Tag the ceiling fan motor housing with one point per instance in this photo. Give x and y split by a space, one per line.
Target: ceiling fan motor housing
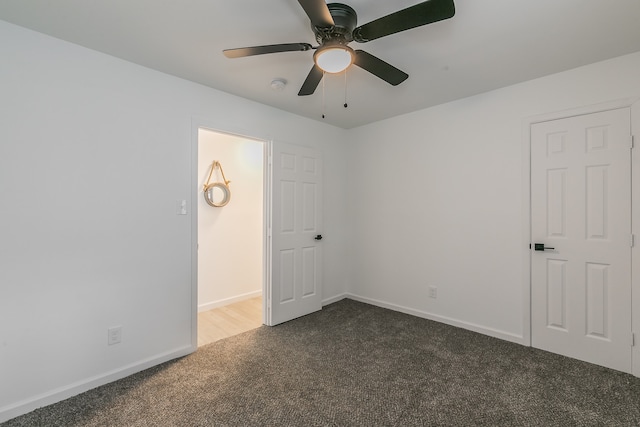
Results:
345 20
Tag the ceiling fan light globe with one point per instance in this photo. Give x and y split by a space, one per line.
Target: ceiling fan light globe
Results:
334 59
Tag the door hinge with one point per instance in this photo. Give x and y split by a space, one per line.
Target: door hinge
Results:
633 339
632 141
632 240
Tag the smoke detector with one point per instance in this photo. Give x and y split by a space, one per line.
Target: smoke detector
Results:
278 84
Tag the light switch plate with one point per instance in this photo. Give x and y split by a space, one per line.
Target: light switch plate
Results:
181 207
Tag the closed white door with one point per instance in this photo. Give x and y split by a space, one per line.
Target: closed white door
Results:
294 279
581 213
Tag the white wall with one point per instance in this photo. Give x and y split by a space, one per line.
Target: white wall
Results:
436 199
94 154
230 238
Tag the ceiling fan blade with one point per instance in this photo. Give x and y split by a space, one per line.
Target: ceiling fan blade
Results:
318 13
312 81
415 16
261 50
378 67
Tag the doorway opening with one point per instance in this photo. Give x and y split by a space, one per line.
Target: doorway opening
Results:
230 235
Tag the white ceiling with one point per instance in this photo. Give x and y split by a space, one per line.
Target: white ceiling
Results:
488 44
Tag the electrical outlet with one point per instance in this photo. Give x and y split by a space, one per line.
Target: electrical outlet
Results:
114 335
433 292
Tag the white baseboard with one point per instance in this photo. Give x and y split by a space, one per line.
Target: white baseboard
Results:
221 303
334 299
20 408
496 333
28 405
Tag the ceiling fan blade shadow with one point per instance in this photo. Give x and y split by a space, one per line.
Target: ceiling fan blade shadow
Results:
379 68
415 16
318 13
312 81
261 50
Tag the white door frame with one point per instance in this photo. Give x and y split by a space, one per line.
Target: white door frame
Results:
526 212
201 123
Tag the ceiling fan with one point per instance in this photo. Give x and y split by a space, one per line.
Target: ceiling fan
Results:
334 26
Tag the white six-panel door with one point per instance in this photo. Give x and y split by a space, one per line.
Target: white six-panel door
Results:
581 207
294 282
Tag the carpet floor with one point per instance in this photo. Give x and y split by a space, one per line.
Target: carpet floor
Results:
354 364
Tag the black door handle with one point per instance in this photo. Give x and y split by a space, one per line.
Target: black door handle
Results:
318 237
541 247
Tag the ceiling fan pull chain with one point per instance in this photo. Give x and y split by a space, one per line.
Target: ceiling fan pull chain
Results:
323 82
345 88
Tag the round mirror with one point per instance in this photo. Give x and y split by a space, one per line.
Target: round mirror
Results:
217 194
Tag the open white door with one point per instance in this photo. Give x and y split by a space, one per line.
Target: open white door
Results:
581 225
294 270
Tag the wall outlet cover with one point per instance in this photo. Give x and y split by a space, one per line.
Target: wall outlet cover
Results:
114 335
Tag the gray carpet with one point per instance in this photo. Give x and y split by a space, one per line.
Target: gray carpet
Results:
353 364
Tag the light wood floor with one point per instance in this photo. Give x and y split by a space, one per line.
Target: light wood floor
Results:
230 320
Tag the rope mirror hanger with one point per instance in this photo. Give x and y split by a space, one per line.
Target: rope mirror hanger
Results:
208 189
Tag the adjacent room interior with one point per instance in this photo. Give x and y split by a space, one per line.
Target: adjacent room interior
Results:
230 236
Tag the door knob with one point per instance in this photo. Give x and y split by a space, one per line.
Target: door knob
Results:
318 237
541 247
